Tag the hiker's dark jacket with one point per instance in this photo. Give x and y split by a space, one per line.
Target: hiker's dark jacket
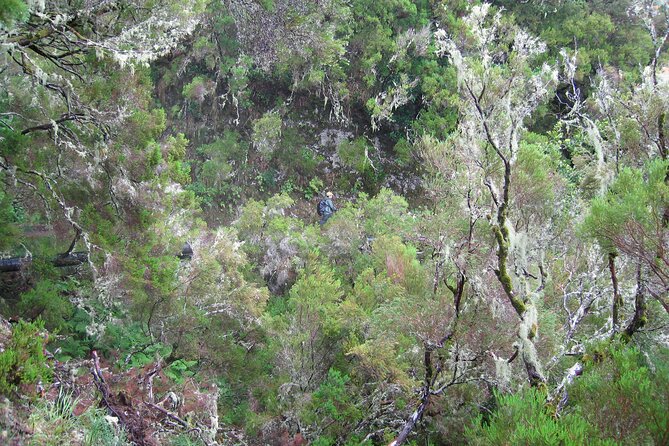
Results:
328 209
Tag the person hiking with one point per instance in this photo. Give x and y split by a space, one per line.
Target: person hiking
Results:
326 208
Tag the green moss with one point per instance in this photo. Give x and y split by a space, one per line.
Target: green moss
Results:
502 274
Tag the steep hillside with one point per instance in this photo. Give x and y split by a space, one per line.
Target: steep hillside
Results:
491 267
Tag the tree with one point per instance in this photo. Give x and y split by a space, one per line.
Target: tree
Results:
499 89
60 93
629 220
627 126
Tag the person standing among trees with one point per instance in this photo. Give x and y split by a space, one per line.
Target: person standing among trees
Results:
326 208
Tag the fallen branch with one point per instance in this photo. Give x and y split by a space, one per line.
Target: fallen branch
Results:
149 378
572 373
168 414
135 434
103 387
60 261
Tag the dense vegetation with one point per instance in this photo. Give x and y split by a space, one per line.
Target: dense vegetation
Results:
497 271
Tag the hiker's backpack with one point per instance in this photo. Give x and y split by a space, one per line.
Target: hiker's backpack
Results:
321 207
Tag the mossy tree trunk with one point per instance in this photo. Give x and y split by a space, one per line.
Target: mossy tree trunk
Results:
617 299
639 319
524 307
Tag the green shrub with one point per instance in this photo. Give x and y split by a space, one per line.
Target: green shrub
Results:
332 406
314 188
523 418
625 394
403 151
13 12
355 154
294 156
76 343
180 369
267 133
98 431
136 346
621 398
23 362
198 89
46 302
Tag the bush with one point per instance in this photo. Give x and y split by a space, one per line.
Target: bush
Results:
625 395
267 133
621 398
403 151
46 302
198 89
523 418
355 154
13 12
314 188
333 406
23 362
8 220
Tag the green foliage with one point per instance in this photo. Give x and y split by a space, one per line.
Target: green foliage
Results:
400 263
523 418
267 133
198 89
364 176
624 394
54 423
54 420
12 12
268 5
144 126
8 220
230 147
238 80
333 405
22 363
217 177
593 32
47 302
386 213
403 150
295 157
314 188
154 158
267 180
178 170
180 369
136 347
356 304
619 399
536 183
316 295
355 154
251 220
635 202
98 430
12 142
601 33
74 340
